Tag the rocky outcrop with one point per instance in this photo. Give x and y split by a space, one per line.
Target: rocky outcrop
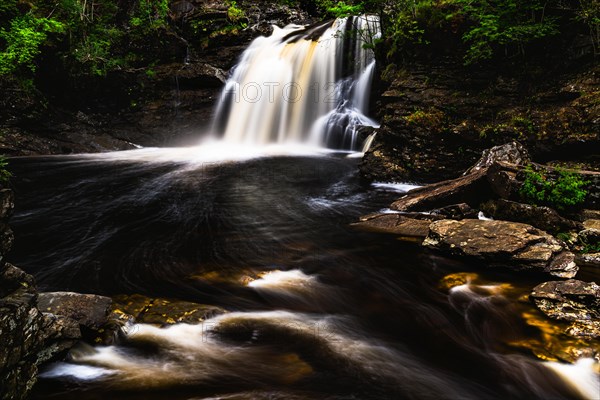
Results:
88 310
510 153
573 301
502 244
436 118
21 334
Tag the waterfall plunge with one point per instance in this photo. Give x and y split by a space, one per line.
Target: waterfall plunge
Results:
307 85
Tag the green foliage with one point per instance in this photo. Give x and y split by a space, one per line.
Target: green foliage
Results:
487 28
95 52
5 174
236 16
150 15
590 248
342 9
339 9
564 236
23 41
589 13
503 24
566 190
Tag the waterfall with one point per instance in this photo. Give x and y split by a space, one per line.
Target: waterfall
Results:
307 85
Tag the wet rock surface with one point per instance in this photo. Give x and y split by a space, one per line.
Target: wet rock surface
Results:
502 244
573 301
396 224
160 311
88 310
471 189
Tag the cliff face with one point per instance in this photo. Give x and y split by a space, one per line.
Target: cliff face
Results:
438 117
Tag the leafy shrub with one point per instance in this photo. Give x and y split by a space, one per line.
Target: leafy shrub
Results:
342 9
23 41
566 190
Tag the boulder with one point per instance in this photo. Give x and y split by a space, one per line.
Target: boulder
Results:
588 259
160 311
511 153
502 244
544 218
471 189
396 224
574 301
89 310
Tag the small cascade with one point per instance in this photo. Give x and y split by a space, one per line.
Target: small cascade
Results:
308 85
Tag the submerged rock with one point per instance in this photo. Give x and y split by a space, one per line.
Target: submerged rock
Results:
502 244
573 301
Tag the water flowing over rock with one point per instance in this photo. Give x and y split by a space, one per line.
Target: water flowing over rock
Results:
502 244
302 84
573 301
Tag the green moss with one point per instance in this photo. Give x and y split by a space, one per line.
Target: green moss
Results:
563 191
237 16
433 119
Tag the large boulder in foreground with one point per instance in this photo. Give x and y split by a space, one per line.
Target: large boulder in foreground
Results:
89 310
573 301
502 244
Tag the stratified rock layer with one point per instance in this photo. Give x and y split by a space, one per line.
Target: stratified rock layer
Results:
502 244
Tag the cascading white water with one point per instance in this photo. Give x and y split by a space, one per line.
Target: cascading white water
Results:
307 85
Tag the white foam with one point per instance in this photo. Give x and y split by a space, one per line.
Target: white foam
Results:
582 376
76 371
283 280
394 187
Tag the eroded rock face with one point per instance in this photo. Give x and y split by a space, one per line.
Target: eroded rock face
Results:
573 301
502 244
